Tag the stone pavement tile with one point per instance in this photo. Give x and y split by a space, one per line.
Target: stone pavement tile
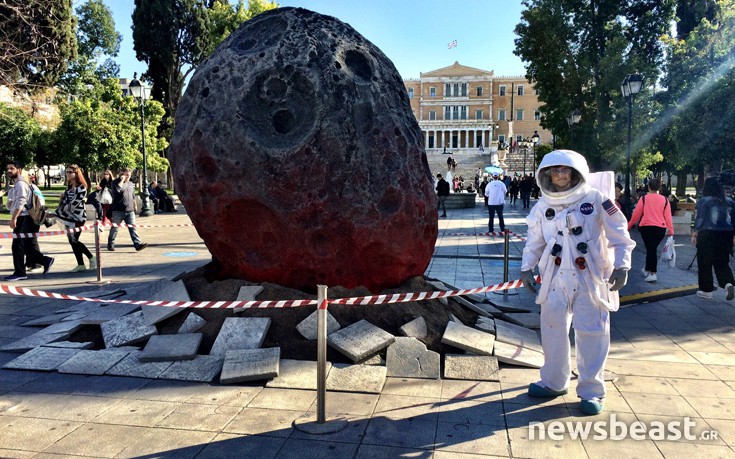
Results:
647 385
522 415
712 408
203 368
163 348
16 332
170 391
455 455
86 362
471 367
723 372
225 395
476 391
42 359
192 323
168 443
242 365
162 290
402 407
297 374
405 433
647 339
660 369
353 433
390 452
239 446
521 444
409 358
211 418
687 387
517 355
239 333
145 413
415 328
654 355
33 434
101 440
71 344
308 327
357 378
348 403
60 407
671 405
261 421
471 438
699 432
12 379
126 330
514 374
316 448
283 399
31 342
413 387
360 340
472 412
689 450
468 339
714 358
132 366
16 454
515 397
725 429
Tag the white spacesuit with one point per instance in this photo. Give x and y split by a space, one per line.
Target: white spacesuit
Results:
580 242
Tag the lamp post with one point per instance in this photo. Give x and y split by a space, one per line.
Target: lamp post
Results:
137 89
630 86
573 118
535 139
524 143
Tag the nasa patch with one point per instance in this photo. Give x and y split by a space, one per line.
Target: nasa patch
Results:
550 214
586 208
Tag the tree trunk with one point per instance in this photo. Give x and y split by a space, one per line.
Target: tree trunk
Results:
681 183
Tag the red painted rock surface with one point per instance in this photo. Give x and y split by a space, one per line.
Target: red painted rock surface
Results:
299 161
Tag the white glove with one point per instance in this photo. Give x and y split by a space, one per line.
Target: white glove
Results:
618 279
529 281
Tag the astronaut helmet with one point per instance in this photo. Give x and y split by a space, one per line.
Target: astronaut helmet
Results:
561 159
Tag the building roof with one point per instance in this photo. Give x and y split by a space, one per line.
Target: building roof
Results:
457 69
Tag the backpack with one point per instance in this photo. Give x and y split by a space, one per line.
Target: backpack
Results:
36 205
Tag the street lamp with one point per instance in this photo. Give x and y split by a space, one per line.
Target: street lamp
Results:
573 118
137 89
535 139
524 143
630 86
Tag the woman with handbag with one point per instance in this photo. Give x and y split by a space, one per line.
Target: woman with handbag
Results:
653 216
104 196
72 213
714 228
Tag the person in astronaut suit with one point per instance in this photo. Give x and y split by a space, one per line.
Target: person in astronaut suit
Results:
580 242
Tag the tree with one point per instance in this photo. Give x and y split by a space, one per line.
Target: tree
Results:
36 42
576 55
18 133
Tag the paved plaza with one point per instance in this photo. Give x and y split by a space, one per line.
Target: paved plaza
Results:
674 358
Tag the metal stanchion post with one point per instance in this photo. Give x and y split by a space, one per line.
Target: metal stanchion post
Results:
97 254
506 256
309 423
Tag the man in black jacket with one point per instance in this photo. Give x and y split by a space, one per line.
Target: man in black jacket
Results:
123 208
442 191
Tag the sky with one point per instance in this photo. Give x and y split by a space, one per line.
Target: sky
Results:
414 34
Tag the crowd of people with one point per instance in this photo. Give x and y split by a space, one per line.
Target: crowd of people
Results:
113 199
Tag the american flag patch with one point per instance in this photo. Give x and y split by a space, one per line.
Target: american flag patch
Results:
609 207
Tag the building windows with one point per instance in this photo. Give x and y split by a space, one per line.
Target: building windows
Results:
432 115
463 112
519 114
479 91
501 115
465 88
431 140
447 112
520 89
410 93
432 91
501 90
537 115
501 138
478 114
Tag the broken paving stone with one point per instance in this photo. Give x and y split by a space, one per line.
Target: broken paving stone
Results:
439 285
242 365
415 328
472 306
517 355
63 327
490 310
126 330
296 374
476 298
92 362
46 320
238 333
357 378
372 360
308 326
472 367
469 339
132 366
360 340
509 333
524 319
193 322
486 326
409 358
33 341
204 368
107 313
71 344
164 348
248 292
161 290
41 358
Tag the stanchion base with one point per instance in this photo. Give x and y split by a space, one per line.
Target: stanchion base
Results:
309 424
99 282
505 292
608 376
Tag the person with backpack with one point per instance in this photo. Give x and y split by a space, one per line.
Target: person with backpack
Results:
72 213
21 222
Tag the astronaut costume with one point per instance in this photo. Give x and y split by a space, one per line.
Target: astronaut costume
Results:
580 242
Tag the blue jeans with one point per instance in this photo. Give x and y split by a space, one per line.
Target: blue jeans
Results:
127 217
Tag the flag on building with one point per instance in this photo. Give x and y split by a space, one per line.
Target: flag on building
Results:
452 44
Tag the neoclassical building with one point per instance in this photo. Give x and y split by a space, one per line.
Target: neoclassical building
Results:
466 110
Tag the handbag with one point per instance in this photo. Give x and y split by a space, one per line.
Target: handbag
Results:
105 197
668 253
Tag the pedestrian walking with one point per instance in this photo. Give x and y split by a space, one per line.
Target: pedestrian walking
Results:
525 187
653 217
714 228
123 209
495 192
579 240
442 191
72 214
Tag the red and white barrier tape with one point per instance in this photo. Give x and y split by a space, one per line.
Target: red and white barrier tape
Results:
486 234
45 233
125 225
364 300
